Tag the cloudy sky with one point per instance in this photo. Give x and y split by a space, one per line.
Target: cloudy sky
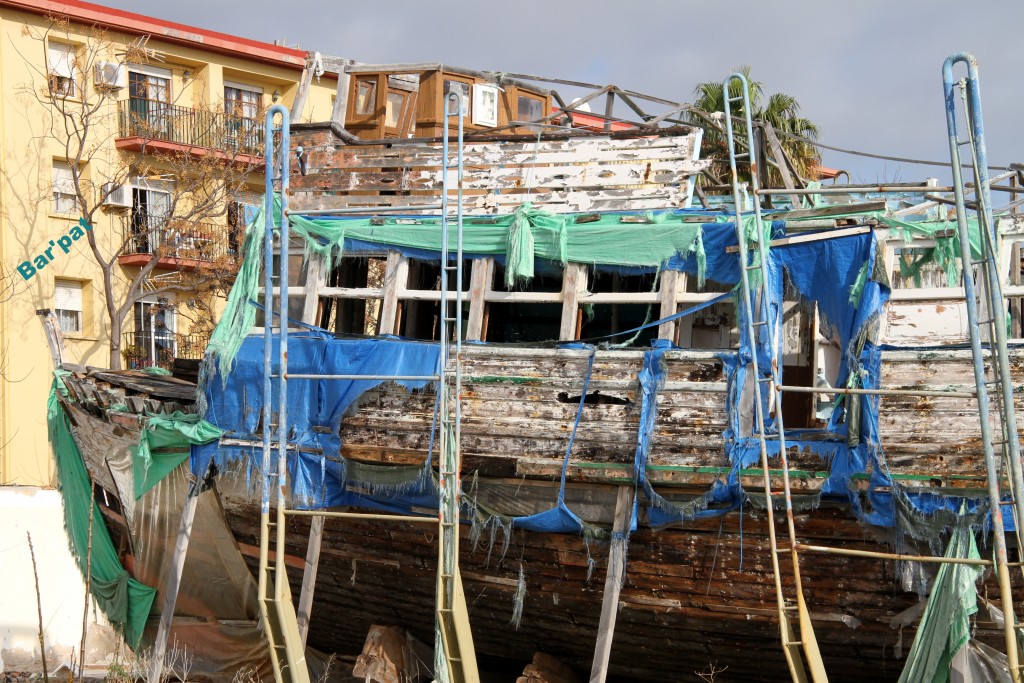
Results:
868 72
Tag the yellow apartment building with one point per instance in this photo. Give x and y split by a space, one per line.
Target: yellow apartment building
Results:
166 104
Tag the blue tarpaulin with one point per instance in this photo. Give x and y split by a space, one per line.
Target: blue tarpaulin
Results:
838 274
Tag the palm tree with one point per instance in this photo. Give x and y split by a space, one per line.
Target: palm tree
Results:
782 111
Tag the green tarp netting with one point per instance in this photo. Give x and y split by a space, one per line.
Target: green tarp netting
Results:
945 626
522 237
125 601
166 443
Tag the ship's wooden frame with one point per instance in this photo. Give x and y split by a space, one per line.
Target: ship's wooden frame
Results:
696 594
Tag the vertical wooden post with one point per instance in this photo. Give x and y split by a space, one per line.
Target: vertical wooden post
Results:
613 583
479 284
300 96
396 277
669 294
574 283
315 276
316 534
340 110
609 107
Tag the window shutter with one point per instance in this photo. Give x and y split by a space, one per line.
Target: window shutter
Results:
67 296
63 182
147 70
61 60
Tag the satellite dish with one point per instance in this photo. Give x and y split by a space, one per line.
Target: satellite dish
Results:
585 107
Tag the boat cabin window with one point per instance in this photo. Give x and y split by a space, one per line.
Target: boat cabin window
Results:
361 279
915 268
297 268
419 302
529 109
514 315
714 327
1014 288
797 344
617 302
394 108
366 96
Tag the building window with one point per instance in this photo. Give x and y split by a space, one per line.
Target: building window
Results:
67 302
149 100
242 100
243 105
60 59
151 207
65 199
155 328
240 214
366 97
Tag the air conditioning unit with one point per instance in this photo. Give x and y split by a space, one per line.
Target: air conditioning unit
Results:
117 196
109 75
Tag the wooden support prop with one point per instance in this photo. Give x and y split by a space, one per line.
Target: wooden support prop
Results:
780 161
173 582
300 96
340 110
612 584
546 669
316 534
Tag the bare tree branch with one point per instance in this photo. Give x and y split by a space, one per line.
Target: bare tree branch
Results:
201 156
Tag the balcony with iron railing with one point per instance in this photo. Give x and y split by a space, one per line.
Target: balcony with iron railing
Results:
178 244
153 125
146 349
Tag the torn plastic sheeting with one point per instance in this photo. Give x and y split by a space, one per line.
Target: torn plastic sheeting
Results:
945 626
164 444
125 601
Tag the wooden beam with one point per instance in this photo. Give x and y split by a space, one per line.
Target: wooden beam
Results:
669 295
613 583
780 161
299 104
314 279
340 110
316 534
574 283
396 275
173 583
811 237
479 283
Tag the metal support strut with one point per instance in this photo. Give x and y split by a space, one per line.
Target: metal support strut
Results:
800 647
984 297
